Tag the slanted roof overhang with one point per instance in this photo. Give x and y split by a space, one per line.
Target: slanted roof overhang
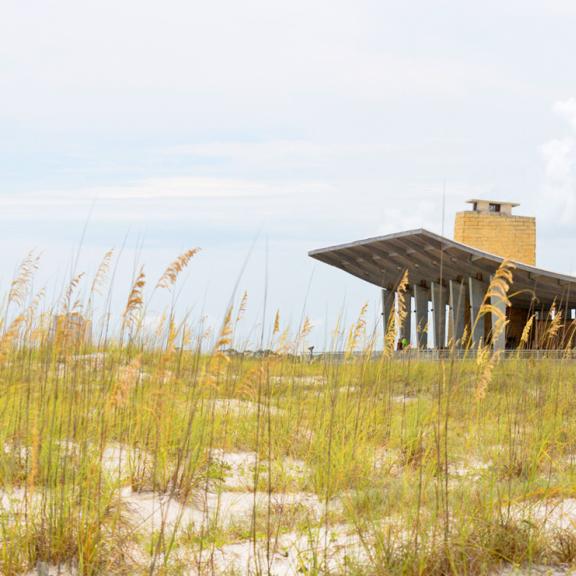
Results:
429 257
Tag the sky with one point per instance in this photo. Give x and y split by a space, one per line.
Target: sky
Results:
260 130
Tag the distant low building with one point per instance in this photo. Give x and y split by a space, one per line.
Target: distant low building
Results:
71 328
449 278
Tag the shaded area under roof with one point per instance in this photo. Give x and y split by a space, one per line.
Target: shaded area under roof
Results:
429 257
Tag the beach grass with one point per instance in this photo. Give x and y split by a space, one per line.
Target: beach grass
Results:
130 450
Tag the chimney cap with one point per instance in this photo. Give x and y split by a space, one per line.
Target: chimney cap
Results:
501 202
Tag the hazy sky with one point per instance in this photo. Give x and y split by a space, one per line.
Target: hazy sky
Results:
295 125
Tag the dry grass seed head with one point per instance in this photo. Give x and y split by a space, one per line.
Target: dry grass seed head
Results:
396 319
20 285
8 339
225 336
496 299
66 304
32 322
357 331
170 275
276 323
242 307
218 359
127 377
485 362
497 290
555 324
283 345
135 301
101 273
306 328
526 331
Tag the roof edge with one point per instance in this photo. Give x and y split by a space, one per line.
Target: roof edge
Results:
413 232
448 242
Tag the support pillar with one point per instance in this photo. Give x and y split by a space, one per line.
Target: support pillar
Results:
477 291
457 307
388 307
537 329
406 328
421 298
439 314
498 339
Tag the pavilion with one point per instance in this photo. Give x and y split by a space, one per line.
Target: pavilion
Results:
448 279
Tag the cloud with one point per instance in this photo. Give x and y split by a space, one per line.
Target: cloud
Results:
179 188
559 163
400 219
558 203
267 154
567 109
199 200
561 7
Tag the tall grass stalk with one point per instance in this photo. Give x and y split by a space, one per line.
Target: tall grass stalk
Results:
121 442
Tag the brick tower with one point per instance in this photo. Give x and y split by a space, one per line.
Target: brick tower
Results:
491 227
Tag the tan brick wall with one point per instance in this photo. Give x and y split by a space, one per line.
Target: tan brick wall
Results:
511 237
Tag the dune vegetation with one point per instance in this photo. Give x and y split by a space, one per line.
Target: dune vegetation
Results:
130 450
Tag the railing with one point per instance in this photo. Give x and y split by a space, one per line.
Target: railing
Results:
458 354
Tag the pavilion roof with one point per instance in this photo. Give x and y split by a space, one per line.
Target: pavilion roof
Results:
429 257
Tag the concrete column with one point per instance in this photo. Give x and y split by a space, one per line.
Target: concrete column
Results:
421 298
405 329
457 307
388 307
498 340
537 329
439 314
477 291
